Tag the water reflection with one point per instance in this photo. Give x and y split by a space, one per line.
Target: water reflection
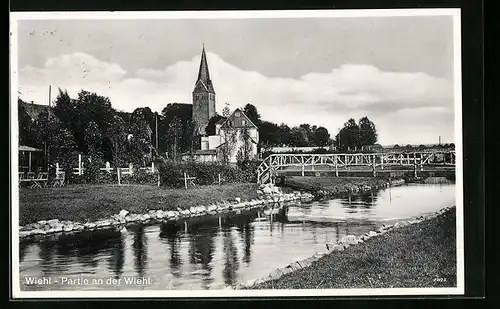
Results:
201 250
231 264
205 253
116 260
169 233
23 247
140 246
246 231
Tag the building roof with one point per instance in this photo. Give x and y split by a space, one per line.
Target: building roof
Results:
34 110
28 149
203 74
249 124
221 121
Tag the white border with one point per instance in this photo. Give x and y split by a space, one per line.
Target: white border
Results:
18 16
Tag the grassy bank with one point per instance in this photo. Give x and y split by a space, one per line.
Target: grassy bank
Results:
86 203
418 255
331 185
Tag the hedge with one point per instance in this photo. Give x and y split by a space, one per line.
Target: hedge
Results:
172 173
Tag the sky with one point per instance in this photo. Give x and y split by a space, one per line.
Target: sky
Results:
398 71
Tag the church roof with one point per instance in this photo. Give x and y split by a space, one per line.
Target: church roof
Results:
203 74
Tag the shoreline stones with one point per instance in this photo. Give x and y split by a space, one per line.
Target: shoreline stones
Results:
125 218
355 189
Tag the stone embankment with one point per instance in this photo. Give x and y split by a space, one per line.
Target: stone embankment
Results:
268 195
328 187
356 189
344 243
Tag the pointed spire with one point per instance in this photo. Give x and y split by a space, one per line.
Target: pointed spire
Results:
203 73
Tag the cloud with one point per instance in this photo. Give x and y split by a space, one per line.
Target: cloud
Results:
326 99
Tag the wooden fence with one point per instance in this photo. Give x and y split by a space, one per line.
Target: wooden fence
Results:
108 169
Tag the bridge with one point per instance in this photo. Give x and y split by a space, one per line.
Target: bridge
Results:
373 163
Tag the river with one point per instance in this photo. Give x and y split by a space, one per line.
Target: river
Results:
220 251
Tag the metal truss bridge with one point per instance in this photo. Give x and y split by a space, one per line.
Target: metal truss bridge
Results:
279 164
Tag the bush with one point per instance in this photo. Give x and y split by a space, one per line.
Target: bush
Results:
172 173
139 177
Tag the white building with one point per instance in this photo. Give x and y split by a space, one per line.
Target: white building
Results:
235 134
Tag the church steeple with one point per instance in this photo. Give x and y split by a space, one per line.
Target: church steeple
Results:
203 96
203 74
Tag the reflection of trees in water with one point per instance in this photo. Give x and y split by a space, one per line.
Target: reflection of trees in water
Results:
169 232
140 246
84 247
46 254
117 258
282 215
246 231
352 202
201 249
23 247
231 264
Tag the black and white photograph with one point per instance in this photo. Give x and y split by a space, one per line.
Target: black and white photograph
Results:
236 153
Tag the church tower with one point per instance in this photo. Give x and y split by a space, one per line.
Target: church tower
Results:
203 96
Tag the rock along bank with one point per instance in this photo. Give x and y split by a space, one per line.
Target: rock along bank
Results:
269 195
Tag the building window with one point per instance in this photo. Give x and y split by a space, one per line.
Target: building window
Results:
243 122
237 114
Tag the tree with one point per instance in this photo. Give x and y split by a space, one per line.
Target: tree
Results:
181 113
268 134
321 137
174 134
210 129
46 130
285 135
252 113
117 136
245 150
368 132
300 136
77 114
93 139
229 137
349 136
27 129
139 144
145 116
226 111
64 149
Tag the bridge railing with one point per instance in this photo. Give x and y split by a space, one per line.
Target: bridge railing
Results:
275 162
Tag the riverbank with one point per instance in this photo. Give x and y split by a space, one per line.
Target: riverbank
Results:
410 254
88 203
322 187
89 207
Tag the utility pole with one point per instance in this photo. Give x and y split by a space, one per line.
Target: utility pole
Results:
156 119
46 145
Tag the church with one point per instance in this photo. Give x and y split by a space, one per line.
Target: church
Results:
235 136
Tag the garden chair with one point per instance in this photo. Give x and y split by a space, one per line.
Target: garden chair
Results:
21 177
59 180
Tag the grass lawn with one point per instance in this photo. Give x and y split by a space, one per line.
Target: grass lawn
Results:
419 255
87 203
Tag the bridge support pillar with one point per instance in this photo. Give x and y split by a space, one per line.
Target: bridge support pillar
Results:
302 170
